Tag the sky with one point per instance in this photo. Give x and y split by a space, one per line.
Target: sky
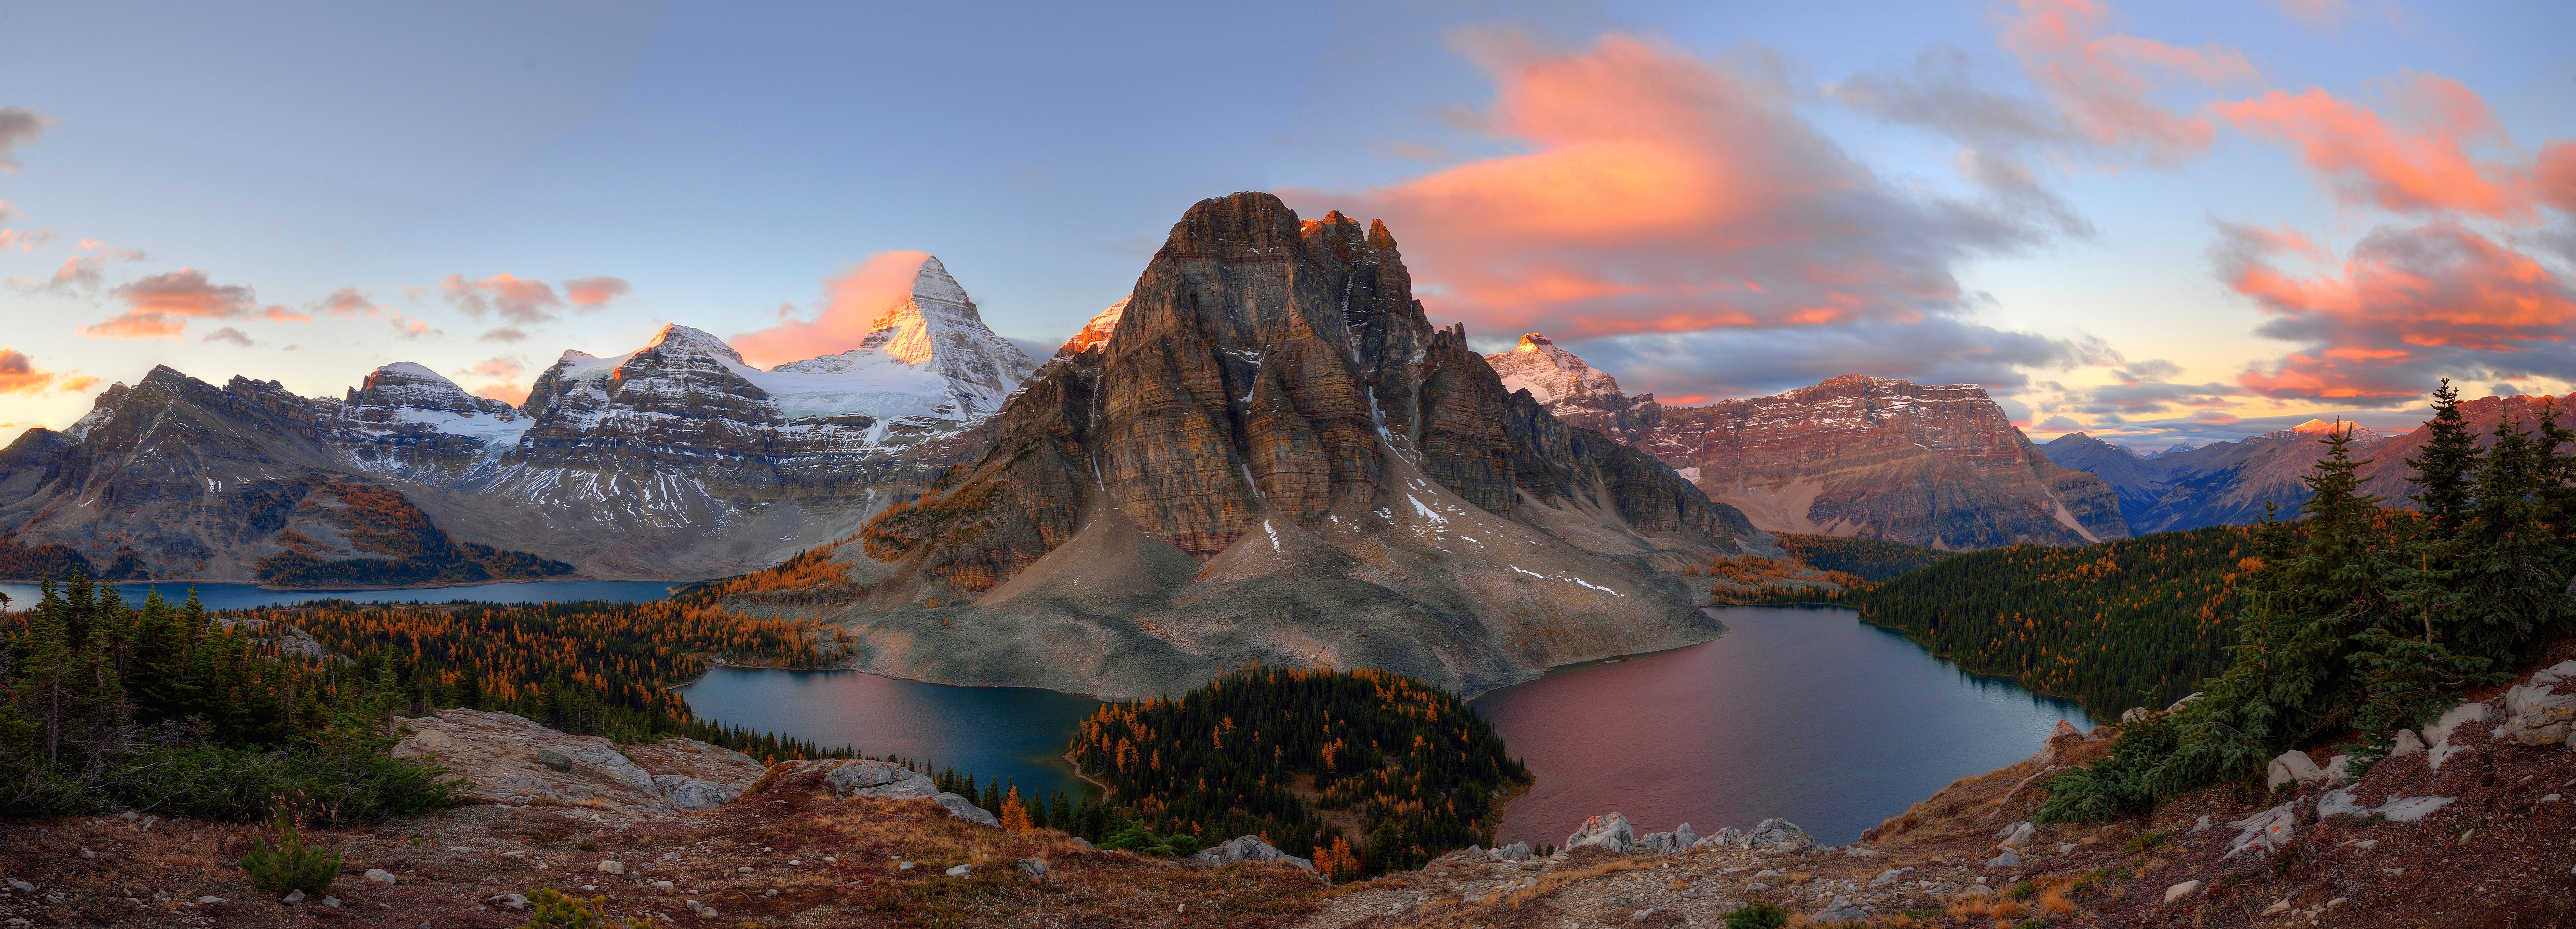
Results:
2149 222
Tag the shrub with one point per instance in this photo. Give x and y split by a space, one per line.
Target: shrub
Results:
556 911
1757 916
293 865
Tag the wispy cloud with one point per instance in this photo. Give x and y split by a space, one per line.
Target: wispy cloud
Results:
854 304
159 306
19 126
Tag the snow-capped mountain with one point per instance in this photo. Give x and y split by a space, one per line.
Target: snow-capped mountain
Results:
676 459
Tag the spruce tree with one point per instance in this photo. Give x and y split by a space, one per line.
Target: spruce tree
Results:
2447 462
2512 567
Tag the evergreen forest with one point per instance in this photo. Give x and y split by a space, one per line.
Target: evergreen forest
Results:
2358 622
165 707
1266 752
2114 625
1872 560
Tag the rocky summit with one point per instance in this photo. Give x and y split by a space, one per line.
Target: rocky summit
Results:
1873 457
1275 457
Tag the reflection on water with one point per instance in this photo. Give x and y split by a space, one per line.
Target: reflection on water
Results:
244 596
1018 733
1806 714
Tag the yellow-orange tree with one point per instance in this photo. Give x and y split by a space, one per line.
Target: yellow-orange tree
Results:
1420 768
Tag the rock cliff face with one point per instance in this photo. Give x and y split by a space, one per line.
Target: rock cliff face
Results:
1853 456
1875 457
1274 456
676 460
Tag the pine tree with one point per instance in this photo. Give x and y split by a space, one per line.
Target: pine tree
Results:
2446 463
2512 568
1015 815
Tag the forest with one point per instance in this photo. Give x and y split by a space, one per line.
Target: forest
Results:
1872 560
166 707
2358 622
2114 625
1263 752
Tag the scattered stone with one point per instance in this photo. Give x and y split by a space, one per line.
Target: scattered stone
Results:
2135 714
513 901
22 886
905 866
2179 891
2178 704
1517 851
209 900
612 866
381 876
2061 736
663 885
2293 766
2202 825
1085 844
2278 907
1842 910
2268 831
960 870
2439 733
1037 869
292 897
128 815
86 853
332 902
1665 843
1889 876
703 910
554 759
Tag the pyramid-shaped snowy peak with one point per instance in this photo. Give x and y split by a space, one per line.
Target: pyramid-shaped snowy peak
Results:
929 353
1550 373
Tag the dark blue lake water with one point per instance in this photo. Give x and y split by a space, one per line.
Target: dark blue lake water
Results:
241 596
1017 733
1805 714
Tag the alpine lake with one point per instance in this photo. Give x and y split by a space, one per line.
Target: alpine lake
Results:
1802 713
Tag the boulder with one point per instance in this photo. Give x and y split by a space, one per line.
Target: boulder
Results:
883 780
1779 834
2265 832
2339 770
511 759
2439 733
965 809
2293 766
2179 891
1034 868
1517 851
1610 832
2561 671
2406 743
2178 704
1244 848
2536 716
554 759
1665 843
1839 912
1889 876
2134 714
2059 737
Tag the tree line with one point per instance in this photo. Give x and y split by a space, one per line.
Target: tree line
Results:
172 708
1258 751
2367 620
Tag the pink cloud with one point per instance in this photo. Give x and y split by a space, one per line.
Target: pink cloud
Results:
523 302
2317 13
2105 83
594 293
347 301
1660 192
2419 164
855 304
2407 305
159 305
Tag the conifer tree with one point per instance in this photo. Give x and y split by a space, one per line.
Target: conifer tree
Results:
2447 463
2511 568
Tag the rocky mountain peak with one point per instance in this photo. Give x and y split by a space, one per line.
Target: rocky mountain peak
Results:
676 338
1096 332
1575 392
406 385
932 340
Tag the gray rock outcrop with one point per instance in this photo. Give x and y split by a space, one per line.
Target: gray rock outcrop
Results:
1241 849
1609 831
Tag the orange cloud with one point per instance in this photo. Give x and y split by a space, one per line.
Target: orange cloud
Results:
855 304
2419 165
159 305
594 293
1660 192
2104 83
2408 305
505 372
19 374
2318 13
2557 175
524 302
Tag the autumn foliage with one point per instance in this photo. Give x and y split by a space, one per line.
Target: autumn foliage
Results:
1419 768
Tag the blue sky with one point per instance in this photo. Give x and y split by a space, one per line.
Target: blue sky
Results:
725 161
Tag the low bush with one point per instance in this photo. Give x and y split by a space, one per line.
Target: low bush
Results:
292 865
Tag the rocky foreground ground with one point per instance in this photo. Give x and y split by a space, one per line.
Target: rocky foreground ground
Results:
2473 829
